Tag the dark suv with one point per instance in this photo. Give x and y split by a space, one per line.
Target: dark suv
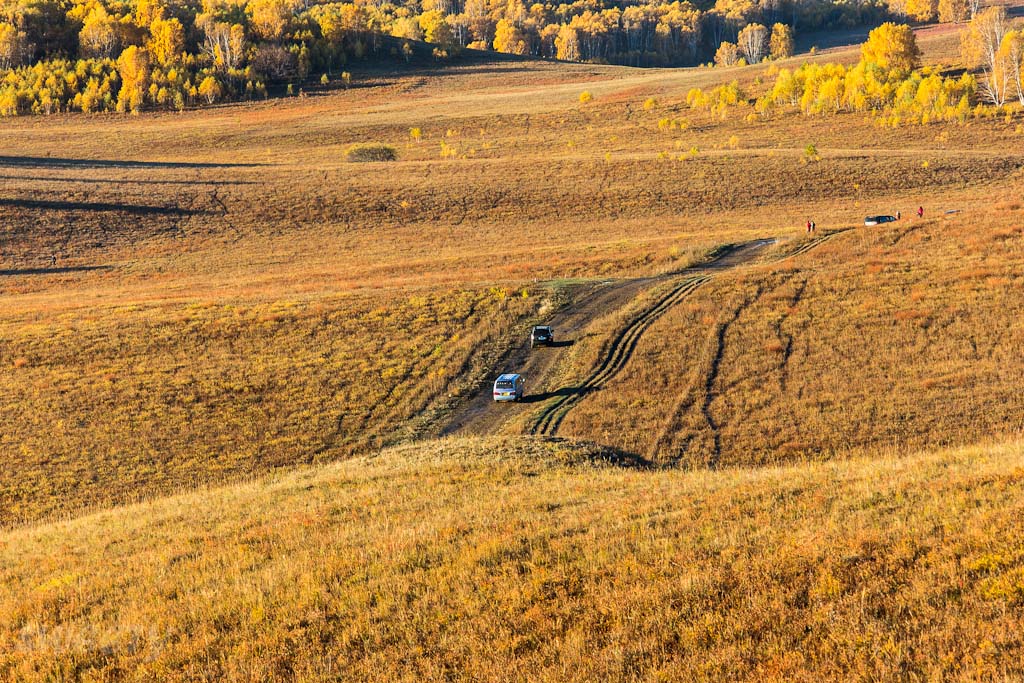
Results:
542 334
878 220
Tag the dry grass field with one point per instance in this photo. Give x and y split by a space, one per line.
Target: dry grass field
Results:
224 349
190 298
515 559
900 337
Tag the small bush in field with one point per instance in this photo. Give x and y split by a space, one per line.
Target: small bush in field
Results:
585 97
371 151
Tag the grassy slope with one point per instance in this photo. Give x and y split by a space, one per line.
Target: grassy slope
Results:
530 560
901 336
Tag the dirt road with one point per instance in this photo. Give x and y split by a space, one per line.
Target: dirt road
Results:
479 415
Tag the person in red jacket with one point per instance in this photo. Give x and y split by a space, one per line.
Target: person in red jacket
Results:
920 212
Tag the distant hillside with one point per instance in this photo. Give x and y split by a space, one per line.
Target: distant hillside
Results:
515 559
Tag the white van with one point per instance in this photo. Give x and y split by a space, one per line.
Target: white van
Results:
508 387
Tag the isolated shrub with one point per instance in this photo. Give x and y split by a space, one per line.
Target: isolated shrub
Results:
585 97
371 151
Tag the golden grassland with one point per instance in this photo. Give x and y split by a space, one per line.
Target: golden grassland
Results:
901 336
521 559
190 298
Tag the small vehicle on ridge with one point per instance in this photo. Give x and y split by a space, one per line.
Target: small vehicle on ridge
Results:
542 334
878 220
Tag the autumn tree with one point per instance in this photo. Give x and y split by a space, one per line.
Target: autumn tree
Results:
727 54
509 39
921 10
12 46
567 44
980 48
954 11
100 35
269 18
167 40
435 28
148 11
892 47
781 44
210 89
752 41
1011 60
133 67
223 43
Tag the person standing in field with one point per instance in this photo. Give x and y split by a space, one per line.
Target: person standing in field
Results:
898 216
814 227
920 212
808 227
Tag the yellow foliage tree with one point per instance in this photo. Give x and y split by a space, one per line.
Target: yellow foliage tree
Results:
100 34
269 18
921 10
780 45
567 44
727 54
980 48
133 67
167 40
892 47
210 89
436 28
1011 61
954 10
752 41
12 46
509 39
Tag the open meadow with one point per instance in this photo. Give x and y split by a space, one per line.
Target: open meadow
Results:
194 297
241 373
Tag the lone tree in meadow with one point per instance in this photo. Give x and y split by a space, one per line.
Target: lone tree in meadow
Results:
892 47
752 41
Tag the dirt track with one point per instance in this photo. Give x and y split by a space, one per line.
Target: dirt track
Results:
479 415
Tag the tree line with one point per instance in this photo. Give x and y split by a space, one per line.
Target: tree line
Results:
127 55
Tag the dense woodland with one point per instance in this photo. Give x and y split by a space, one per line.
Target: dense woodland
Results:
126 55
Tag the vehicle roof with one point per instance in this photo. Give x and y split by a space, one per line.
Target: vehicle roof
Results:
542 327
508 377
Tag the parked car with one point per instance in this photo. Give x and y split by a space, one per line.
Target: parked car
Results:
542 334
878 220
508 387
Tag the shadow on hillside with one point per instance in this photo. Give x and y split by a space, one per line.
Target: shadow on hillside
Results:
559 344
137 209
59 162
611 455
123 181
12 272
558 393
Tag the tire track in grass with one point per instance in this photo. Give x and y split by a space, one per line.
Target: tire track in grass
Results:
812 244
712 378
620 350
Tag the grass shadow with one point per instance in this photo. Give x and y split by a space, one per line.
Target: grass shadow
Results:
53 270
62 162
58 205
